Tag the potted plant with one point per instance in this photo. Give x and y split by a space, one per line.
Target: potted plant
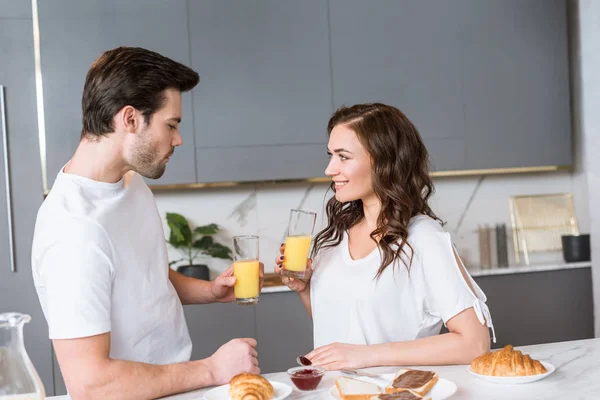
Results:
192 243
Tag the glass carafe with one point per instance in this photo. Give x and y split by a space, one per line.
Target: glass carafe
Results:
18 378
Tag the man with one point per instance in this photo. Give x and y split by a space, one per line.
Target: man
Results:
100 266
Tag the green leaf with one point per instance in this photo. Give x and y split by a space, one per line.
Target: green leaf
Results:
181 234
203 243
217 250
207 229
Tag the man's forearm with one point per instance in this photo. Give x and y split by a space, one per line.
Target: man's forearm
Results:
117 379
191 290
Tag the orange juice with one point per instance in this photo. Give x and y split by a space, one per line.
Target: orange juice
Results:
296 253
246 274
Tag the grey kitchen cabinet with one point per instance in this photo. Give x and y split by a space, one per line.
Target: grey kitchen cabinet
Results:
406 54
540 307
60 388
284 331
15 9
17 292
74 33
516 83
264 98
212 325
485 82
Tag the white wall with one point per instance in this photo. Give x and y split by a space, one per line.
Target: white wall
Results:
264 210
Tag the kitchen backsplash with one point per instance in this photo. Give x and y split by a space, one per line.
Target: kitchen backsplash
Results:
464 203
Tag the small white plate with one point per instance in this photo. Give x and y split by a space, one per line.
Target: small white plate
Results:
222 392
443 389
516 380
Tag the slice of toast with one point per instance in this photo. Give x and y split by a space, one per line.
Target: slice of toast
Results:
416 381
405 395
354 389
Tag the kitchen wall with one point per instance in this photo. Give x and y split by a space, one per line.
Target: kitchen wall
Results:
463 203
586 106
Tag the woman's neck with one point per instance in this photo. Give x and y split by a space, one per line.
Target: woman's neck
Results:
371 210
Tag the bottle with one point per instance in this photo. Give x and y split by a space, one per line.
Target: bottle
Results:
18 378
502 245
485 254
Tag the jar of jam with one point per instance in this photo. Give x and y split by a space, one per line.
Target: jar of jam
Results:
306 378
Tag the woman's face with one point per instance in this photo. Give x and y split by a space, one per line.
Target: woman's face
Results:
349 166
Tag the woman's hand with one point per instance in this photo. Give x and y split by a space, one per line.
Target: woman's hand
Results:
336 356
295 284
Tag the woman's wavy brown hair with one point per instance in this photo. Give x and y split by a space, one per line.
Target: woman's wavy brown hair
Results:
400 176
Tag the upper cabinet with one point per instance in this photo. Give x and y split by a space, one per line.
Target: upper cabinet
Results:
516 83
485 82
74 33
264 98
404 53
15 9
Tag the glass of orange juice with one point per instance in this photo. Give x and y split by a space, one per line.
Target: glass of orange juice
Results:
297 243
246 269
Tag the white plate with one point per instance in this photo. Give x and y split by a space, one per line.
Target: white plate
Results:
222 392
443 389
516 380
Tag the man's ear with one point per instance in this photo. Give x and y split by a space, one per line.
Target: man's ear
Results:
129 119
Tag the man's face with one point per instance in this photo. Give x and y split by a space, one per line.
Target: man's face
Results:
156 142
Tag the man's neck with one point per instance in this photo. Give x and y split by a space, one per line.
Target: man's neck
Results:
100 160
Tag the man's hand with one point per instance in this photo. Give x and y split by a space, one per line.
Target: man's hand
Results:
222 287
234 357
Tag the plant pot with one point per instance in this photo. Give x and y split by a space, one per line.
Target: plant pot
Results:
194 271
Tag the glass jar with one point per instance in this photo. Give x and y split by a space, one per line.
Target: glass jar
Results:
18 378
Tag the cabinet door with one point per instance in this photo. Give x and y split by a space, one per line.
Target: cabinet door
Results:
74 33
516 83
15 9
212 325
17 292
264 100
404 53
540 307
284 331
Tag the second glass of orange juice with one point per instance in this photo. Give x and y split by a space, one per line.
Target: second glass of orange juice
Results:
297 243
246 269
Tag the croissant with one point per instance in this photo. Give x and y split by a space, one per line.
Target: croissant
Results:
250 387
507 362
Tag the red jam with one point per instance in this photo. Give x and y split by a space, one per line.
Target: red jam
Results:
306 379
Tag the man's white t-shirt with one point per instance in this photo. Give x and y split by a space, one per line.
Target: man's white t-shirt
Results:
349 305
99 263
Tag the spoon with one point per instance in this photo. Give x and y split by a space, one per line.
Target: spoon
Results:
305 362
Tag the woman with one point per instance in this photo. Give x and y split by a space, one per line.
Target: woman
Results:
386 276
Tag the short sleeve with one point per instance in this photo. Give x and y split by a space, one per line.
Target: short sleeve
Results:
75 274
447 291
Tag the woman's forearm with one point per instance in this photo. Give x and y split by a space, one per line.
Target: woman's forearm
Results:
448 348
305 297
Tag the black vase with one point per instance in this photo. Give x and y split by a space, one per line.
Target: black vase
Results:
576 248
194 271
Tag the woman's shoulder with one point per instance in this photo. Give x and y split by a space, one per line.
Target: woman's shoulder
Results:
423 225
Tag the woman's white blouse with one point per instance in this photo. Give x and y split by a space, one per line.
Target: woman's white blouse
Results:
350 305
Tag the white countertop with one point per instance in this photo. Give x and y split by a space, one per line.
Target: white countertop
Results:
517 269
577 376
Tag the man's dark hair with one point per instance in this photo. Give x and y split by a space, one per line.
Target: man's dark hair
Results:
129 76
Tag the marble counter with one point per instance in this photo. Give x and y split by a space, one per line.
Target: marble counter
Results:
577 376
